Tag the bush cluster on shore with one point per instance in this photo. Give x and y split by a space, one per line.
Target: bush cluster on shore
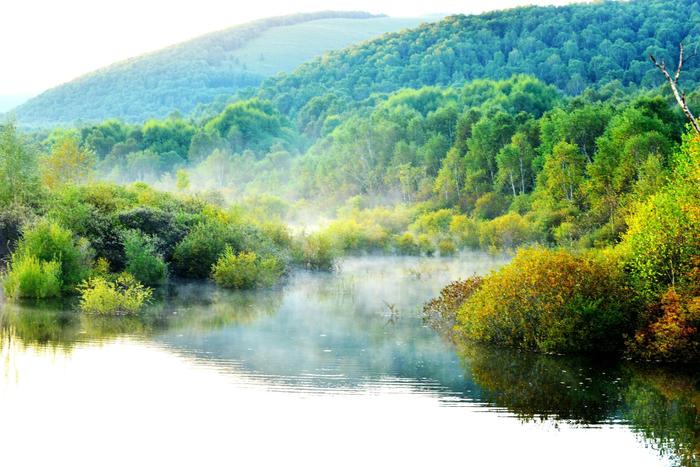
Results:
641 297
109 243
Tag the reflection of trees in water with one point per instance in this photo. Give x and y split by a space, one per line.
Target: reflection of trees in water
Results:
663 406
536 386
44 325
57 325
665 409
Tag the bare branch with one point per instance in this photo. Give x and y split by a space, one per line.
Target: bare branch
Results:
673 81
680 65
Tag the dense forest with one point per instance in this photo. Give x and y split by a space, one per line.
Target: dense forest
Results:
546 128
572 47
185 77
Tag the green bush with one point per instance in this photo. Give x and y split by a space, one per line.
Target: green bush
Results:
551 301
47 241
195 255
446 247
246 270
123 295
663 239
426 245
465 230
504 232
29 277
405 244
315 252
142 261
490 206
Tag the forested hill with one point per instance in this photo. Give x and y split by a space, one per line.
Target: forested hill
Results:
571 47
199 71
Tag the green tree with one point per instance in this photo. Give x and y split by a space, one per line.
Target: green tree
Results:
19 172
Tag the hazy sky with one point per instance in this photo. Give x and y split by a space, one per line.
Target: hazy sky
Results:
46 42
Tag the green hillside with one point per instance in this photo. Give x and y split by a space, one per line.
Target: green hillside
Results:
202 70
573 47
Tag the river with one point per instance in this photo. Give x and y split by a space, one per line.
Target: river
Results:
326 369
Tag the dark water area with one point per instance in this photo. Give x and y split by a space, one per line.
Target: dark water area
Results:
327 369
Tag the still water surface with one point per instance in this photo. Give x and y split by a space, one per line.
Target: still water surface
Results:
329 369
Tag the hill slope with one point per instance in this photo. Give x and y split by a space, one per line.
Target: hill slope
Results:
201 70
572 47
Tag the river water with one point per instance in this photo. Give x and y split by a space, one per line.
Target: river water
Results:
327 369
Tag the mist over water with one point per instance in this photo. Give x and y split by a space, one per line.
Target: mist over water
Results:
338 368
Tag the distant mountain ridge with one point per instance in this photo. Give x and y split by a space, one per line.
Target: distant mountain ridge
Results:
200 71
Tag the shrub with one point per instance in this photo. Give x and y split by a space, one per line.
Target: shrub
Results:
465 231
406 244
551 301
29 277
122 295
490 205
142 261
440 313
315 252
446 247
195 255
426 245
12 219
662 240
433 222
162 227
349 235
504 232
245 270
47 241
674 335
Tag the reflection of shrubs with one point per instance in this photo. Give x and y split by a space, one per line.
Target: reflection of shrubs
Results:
535 386
550 301
440 312
246 270
142 261
29 277
122 295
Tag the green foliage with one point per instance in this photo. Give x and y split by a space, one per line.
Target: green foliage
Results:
405 244
142 260
505 232
48 242
662 243
123 295
245 270
19 172
251 124
29 277
551 301
195 255
561 46
315 251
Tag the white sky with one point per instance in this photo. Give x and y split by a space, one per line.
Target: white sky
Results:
44 43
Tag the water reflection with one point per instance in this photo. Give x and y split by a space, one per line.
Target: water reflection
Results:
359 332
